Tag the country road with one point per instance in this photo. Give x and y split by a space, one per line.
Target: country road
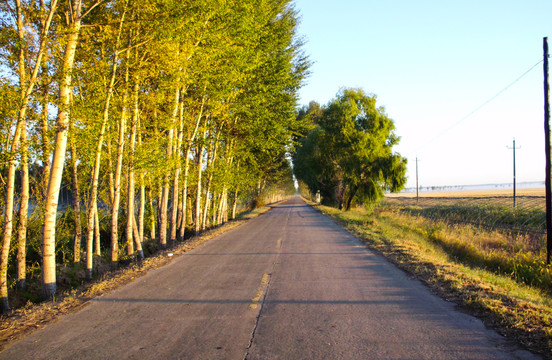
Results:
289 284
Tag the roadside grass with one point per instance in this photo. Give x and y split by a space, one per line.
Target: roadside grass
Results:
493 275
489 215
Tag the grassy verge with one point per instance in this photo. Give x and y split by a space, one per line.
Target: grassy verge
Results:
22 321
486 273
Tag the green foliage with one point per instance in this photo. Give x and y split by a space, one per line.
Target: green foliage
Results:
236 65
348 155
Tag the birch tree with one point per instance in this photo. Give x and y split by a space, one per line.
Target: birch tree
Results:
27 82
191 102
74 15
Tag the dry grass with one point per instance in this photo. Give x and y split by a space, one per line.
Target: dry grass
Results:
443 258
22 321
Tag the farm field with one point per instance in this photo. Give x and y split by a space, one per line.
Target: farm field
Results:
489 208
472 193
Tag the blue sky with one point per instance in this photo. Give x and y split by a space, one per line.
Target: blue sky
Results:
431 63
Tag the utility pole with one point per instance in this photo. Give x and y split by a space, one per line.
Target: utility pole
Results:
514 148
548 154
417 195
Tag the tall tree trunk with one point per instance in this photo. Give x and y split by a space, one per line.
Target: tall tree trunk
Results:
152 214
130 216
93 224
166 186
142 197
189 142
185 196
117 186
131 196
216 199
225 208
23 213
76 199
92 219
142 209
62 123
27 84
189 214
97 237
164 204
138 241
235 197
111 177
211 161
200 150
119 163
350 199
206 203
174 208
206 207
176 190
45 156
220 211
235 203
8 217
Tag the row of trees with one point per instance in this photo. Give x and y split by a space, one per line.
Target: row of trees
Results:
348 153
165 113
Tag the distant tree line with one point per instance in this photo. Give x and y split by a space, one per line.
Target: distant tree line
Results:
161 116
347 155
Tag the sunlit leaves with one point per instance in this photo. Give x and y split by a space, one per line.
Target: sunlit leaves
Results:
349 154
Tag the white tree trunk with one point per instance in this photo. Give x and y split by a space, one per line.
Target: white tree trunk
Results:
23 212
58 160
199 155
27 84
176 190
97 239
131 194
117 188
76 201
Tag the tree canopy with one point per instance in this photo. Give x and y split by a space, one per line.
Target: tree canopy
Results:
155 119
348 153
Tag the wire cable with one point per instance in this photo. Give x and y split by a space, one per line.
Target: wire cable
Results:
479 107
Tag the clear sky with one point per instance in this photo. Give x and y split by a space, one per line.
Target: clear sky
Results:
431 63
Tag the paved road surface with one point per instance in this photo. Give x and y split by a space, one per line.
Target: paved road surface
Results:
289 284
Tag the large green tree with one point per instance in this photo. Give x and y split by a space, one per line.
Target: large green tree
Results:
349 153
161 106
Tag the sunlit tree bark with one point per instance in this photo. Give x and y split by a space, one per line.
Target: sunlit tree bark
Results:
74 19
27 83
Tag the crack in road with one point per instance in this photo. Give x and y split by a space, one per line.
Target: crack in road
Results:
265 283
263 290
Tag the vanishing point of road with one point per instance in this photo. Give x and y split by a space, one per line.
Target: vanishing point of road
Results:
289 284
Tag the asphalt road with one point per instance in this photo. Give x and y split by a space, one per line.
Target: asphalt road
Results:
289 284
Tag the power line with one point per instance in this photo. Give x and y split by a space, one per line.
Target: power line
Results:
479 107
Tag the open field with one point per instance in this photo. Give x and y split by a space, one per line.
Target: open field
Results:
472 193
494 209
